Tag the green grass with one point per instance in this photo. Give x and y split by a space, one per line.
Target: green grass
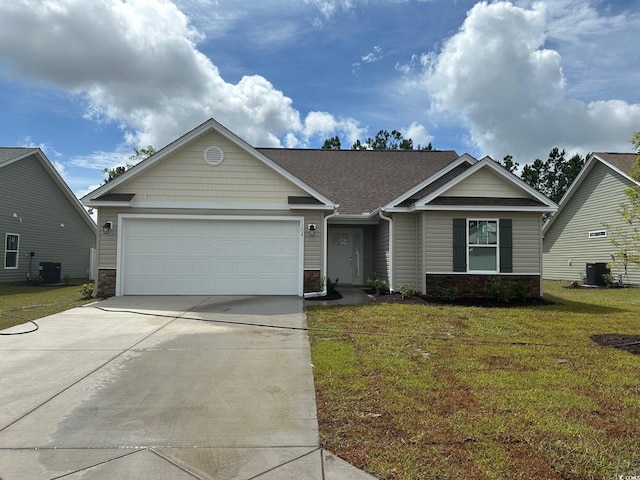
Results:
19 304
430 391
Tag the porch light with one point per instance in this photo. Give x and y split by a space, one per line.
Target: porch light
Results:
106 228
312 229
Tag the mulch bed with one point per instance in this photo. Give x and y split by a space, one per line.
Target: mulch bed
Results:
628 343
465 302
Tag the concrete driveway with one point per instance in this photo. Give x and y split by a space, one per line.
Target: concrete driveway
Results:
163 388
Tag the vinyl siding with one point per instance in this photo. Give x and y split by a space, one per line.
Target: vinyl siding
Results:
41 207
381 251
312 245
405 246
485 183
184 177
438 240
567 246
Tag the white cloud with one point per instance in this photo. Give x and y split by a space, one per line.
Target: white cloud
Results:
418 134
497 77
136 63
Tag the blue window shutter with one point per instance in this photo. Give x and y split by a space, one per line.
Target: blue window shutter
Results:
506 246
459 244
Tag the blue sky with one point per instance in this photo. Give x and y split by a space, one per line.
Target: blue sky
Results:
88 81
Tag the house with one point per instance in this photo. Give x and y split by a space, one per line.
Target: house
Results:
46 232
576 234
210 214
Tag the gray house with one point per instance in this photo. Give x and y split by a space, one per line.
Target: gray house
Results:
576 235
210 214
45 230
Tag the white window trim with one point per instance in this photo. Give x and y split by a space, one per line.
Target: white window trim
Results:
17 251
496 246
595 234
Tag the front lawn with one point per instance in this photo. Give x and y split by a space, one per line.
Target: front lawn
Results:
21 303
448 392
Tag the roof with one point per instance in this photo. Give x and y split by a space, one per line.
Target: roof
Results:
9 155
622 163
380 175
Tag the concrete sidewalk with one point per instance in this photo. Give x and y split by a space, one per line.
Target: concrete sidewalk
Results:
164 388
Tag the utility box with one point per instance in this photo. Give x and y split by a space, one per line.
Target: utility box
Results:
50 272
594 273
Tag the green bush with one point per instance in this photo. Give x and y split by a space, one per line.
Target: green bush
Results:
331 286
407 291
380 286
86 290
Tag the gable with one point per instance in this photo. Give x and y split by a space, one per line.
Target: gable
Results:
184 176
485 183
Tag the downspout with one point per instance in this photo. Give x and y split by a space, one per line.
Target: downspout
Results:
390 220
325 237
541 260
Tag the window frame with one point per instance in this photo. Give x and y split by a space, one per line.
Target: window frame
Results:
494 246
7 250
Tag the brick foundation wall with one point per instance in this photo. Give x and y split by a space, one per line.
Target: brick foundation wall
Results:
475 286
106 283
311 280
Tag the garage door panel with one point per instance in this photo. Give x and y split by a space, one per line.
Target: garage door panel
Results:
210 256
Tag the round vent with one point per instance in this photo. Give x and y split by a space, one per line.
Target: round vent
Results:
213 156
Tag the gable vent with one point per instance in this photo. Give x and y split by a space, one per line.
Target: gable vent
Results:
213 156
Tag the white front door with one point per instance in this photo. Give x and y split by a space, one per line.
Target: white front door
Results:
345 255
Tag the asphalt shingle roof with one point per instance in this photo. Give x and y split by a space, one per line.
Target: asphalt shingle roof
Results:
361 180
8 153
622 161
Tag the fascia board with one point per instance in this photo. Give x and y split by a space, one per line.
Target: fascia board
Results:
464 158
489 163
210 124
481 208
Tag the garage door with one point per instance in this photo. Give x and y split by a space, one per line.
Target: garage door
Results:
210 257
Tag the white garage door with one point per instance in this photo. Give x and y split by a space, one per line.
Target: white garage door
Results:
210 257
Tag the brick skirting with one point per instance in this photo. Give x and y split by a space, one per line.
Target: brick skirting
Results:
475 286
311 280
106 283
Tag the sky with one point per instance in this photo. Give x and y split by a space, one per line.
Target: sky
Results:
88 81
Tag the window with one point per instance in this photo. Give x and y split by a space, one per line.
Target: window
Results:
11 250
482 245
482 242
598 234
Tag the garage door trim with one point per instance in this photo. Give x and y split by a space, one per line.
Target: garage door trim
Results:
122 225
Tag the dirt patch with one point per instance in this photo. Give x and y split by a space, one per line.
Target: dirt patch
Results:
628 343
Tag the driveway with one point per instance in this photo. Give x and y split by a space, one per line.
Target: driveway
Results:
163 388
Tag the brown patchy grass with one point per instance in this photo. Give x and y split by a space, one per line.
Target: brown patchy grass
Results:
433 391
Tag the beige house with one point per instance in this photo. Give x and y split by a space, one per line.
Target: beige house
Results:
210 214
576 234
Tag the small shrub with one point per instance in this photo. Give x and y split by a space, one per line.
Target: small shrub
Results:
407 290
575 284
446 295
319 283
380 286
86 290
497 290
517 291
331 286
608 280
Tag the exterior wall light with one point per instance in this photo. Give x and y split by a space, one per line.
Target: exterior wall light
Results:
106 228
312 229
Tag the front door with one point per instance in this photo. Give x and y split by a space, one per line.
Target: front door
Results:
345 255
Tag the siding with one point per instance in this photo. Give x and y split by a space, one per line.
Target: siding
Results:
438 240
184 177
567 247
29 191
381 251
405 246
485 183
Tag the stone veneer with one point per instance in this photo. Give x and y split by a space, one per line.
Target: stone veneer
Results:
475 286
106 283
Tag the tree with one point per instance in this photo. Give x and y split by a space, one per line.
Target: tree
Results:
332 143
384 141
626 239
508 163
139 154
553 177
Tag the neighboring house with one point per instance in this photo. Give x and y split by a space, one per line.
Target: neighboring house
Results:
209 214
576 235
45 229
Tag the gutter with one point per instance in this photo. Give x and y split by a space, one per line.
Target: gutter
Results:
390 273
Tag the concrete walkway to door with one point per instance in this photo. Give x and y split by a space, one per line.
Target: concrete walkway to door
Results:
163 388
